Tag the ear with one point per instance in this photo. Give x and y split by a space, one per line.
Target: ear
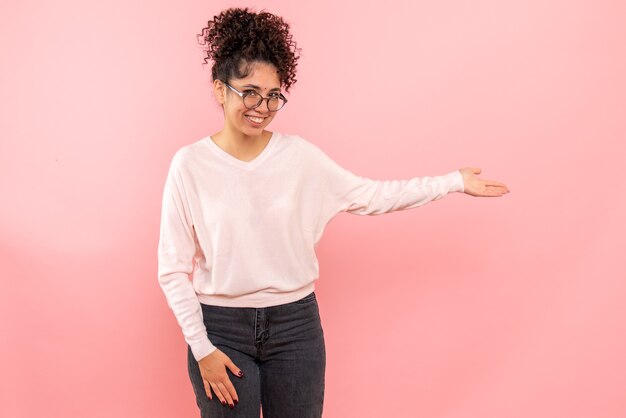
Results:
219 91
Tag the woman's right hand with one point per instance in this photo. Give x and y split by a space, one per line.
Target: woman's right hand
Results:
213 371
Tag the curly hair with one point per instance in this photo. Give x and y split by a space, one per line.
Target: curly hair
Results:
238 37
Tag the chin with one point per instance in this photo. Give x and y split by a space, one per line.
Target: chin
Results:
251 131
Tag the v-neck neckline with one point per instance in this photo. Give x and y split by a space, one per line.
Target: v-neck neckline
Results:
247 165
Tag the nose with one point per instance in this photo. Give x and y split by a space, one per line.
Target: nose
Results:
263 107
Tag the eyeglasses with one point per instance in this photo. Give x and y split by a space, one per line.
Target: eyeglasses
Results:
252 99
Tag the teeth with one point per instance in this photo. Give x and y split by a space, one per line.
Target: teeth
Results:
253 119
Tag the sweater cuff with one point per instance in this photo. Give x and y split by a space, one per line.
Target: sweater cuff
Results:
458 185
202 349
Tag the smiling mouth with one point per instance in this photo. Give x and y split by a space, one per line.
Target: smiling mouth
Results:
255 119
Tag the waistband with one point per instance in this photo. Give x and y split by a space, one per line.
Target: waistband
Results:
261 299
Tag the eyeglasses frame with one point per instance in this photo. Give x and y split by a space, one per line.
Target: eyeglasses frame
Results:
244 94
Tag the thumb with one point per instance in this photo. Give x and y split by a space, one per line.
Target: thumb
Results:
234 369
476 170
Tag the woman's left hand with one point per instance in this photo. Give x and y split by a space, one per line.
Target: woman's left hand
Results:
475 186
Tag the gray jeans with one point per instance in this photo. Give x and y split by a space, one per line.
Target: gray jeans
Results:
281 352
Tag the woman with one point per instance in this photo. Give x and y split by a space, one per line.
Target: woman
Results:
243 210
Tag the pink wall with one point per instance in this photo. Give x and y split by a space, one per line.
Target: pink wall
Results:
464 308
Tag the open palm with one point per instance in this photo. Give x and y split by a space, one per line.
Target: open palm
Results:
475 186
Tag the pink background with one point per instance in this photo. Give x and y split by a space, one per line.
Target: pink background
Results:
463 308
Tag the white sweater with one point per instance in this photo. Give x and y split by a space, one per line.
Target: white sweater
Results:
245 232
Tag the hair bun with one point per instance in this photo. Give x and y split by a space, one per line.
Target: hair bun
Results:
238 34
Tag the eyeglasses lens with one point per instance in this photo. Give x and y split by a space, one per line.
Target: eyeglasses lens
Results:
252 101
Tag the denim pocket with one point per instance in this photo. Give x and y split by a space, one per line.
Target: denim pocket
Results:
308 298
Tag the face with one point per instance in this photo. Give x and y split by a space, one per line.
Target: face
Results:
251 122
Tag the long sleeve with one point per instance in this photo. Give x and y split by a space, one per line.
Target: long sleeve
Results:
176 251
363 196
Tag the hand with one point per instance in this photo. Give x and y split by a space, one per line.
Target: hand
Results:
213 371
475 186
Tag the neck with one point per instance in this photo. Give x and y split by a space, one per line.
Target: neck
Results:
240 145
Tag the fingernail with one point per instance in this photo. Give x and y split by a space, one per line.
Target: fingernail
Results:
236 401
224 403
240 373
231 405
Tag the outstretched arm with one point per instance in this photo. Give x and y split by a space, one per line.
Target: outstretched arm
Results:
475 186
344 191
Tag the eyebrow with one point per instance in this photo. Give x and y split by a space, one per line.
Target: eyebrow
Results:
257 87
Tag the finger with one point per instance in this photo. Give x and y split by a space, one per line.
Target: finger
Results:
218 393
495 191
207 389
234 369
476 170
496 183
226 393
231 390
